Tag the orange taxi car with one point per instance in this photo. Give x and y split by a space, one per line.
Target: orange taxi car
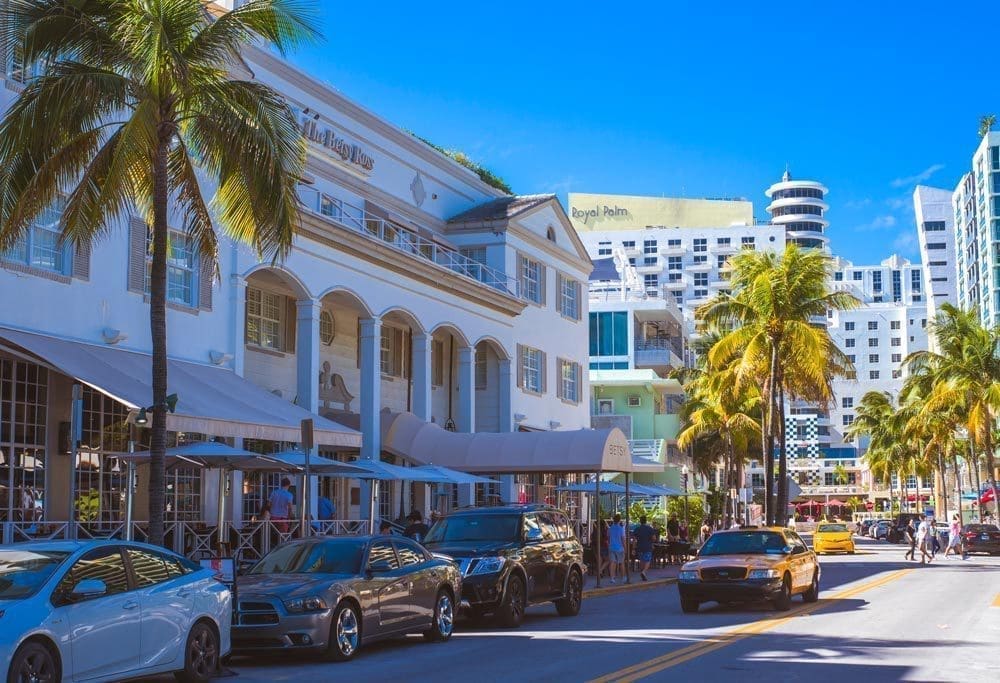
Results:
744 565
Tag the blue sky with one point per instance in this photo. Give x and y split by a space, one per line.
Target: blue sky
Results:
688 99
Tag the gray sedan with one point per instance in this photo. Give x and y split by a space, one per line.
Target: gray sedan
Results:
336 594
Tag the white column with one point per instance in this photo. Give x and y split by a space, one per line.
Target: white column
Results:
307 354
371 388
238 298
507 488
421 405
465 412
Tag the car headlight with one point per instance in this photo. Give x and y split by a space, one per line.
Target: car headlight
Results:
688 575
312 604
763 574
488 565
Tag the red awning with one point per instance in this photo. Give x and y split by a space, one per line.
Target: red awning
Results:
923 496
836 503
987 496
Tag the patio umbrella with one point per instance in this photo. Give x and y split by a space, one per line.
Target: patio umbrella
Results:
454 476
317 464
591 487
835 503
809 505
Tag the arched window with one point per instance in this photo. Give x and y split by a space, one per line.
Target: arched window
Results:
326 328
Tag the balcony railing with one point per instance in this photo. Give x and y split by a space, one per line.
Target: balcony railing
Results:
647 448
357 220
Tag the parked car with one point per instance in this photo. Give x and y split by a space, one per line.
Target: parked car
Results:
982 538
880 529
511 557
744 565
336 594
833 537
864 526
109 610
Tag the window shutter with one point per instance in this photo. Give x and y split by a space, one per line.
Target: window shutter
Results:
559 299
137 233
559 384
397 353
206 279
543 371
291 321
520 366
521 261
579 382
579 301
541 284
81 260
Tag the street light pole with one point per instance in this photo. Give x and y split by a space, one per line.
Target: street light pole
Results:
684 471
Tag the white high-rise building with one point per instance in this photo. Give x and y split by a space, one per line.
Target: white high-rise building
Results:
799 207
936 233
976 207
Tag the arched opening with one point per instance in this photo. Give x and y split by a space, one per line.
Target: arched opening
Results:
489 353
269 331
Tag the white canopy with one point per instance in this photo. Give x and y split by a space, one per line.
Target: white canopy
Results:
212 400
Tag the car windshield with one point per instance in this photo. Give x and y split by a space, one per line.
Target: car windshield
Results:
744 543
831 528
506 528
334 556
22 572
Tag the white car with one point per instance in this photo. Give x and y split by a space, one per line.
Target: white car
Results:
108 610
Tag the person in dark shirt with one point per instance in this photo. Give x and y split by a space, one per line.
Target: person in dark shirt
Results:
417 529
673 536
645 536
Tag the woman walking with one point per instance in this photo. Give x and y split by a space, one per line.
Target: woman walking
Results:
910 534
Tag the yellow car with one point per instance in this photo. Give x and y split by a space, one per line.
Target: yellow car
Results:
833 537
744 565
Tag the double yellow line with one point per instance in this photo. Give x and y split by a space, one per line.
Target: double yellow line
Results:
671 659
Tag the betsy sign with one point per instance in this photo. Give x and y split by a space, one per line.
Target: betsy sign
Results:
327 137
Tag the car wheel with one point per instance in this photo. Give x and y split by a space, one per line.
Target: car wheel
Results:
689 606
345 633
812 595
569 605
784 599
201 655
511 610
33 662
444 618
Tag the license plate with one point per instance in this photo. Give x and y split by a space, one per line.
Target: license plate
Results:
985 537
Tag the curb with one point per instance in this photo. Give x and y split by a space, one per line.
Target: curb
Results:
626 587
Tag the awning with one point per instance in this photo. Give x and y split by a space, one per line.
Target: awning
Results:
212 400
583 450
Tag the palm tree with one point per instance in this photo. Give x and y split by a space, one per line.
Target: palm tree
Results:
986 123
771 327
875 417
135 100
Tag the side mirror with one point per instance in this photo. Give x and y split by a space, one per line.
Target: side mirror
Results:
89 588
379 567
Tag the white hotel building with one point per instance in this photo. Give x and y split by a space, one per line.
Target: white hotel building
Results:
976 209
412 286
935 220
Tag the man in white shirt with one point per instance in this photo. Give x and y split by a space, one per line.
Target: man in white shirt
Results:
925 541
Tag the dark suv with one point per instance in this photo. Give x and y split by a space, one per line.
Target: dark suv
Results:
512 556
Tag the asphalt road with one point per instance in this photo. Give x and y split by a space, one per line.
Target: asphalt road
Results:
879 618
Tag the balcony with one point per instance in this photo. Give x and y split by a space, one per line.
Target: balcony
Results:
658 353
839 490
677 250
651 449
703 267
406 242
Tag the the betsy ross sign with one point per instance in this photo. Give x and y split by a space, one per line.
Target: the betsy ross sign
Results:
327 137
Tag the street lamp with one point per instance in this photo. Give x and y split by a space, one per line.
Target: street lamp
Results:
684 473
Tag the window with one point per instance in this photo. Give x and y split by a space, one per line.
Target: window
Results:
532 370
699 259
265 319
932 264
934 226
873 358
936 246
849 326
628 244
103 564
848 419
649 261
382 552
723 241
181 264
148 566
604 248
873 374
39 247
675 277
569 381
747 242
700 244
896 341
923 322
893 324
437 363
896 374
482 368
721 261
939 279
877 281
609 333
326 329
634 401
409 555
847 402
851 357
873 324
701 279
897 358
897 286
674 263
915 280
651 280
532 281
673 243
679 298
700 293
838 276
872 342
569 297
849 343
757 480
393 352
550 234
858 276
649 246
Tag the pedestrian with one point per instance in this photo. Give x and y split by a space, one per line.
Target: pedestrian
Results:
706 531
910 534
954 536
645 536
616 547
281 505
601 551
385 528
673 537
925 540
326 509
417 530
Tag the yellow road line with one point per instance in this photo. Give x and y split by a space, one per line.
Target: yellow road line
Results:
649 667
996 601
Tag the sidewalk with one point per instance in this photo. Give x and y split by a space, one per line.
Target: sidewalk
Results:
657 577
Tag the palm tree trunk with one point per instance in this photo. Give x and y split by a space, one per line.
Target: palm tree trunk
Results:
732 464
958 486
974 474
769 440
782 505
916 478
158 331
944 485
991 468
